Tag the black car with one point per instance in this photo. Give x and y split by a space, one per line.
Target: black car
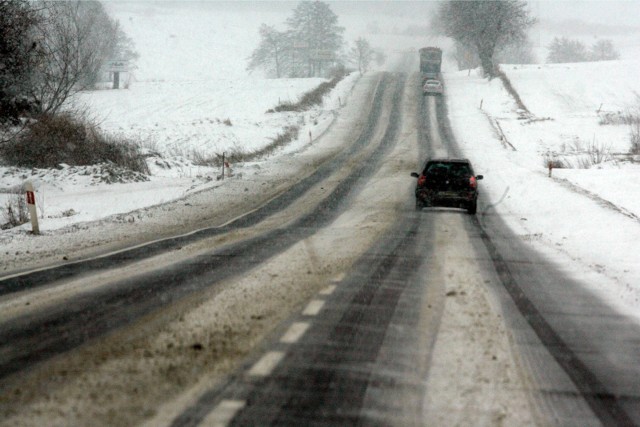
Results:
448 183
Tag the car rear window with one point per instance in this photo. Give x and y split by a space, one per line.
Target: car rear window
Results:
447 168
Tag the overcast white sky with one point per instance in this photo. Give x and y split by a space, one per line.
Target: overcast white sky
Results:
610 12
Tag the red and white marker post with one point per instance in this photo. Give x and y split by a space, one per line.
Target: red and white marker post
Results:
31 204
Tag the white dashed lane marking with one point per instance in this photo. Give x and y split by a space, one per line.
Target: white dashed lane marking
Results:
295 332
222 414
266 364
313 308
328 290
339 278
226 410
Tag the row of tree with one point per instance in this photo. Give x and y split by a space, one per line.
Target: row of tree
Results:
490 32
564 49
311 46
51 49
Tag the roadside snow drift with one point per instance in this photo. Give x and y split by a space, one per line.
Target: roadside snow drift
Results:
586 216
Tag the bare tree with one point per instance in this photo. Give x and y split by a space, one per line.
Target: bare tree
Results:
484 25
272 52
603 50
76 38
18 58
567 50
362 54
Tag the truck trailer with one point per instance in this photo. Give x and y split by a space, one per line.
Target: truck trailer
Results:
430 61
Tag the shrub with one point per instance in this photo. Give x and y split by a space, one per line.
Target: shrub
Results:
15 211
311 98
603 50
594 154
598 153
62 138
579 156
288 134
554 161
563 50
199 158
628 117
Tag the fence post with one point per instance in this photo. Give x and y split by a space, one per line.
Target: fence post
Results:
31 204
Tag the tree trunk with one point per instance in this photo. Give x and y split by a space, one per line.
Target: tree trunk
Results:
277 58
486 60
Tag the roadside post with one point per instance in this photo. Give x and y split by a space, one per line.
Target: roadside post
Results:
31 204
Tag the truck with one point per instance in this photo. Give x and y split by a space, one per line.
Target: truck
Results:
430 61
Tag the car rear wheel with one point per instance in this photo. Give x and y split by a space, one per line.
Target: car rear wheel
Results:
472 208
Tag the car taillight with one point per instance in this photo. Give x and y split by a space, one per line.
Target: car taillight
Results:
422 180
473 183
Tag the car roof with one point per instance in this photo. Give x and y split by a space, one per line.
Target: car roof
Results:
448 160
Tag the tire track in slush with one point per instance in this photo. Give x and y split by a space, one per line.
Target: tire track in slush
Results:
324 378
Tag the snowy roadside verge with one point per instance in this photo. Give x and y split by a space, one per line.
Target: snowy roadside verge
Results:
589 239
74 200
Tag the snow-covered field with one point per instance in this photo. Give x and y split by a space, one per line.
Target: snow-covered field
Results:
191 79
190 97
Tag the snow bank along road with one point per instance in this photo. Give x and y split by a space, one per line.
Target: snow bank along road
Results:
329 301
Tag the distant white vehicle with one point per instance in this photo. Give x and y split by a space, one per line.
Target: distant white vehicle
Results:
432 87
